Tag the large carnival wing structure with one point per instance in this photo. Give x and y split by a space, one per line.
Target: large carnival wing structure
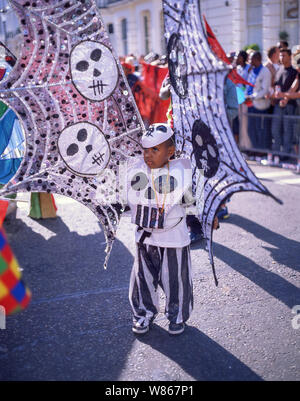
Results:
201 126
76 109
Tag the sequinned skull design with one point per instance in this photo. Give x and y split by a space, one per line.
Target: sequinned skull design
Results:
94 70
84 148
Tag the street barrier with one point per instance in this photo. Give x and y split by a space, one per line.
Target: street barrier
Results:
266 120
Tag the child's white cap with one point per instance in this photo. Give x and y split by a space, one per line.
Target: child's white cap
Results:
156 134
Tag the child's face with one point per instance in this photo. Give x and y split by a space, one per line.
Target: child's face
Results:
158 156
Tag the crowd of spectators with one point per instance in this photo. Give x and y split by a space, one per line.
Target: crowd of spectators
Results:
272 104
267 122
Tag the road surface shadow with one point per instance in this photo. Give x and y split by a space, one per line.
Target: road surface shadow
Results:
287 251
271 282
198 355
71 329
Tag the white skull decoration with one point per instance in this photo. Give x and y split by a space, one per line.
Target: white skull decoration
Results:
94 70
84 149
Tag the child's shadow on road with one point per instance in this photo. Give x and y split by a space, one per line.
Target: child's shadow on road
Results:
71 329
198 355
286 252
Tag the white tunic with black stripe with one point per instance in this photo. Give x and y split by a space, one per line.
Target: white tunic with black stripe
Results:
148 190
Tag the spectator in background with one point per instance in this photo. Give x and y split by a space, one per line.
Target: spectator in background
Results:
250 52
152 58
240 128
282 128
131 59
293 93
231 56
242 65
163 61
273 65
261 77
231 101
282 44
129 71
273 62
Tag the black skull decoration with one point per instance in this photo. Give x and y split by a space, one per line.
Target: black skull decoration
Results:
162 184
177 66
205 149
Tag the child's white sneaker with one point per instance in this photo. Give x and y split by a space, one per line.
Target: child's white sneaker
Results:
141 326
176 328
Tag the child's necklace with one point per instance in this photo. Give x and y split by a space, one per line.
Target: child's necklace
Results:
161 209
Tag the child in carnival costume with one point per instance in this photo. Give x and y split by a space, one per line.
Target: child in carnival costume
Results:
158 189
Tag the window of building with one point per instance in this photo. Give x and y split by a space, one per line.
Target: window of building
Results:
124 35
291 21
146 22
254 22
111 32
291 9
110 29
162 35
146 33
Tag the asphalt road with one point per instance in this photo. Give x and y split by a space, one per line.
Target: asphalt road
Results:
78 325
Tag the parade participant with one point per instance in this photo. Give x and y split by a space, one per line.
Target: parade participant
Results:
162 237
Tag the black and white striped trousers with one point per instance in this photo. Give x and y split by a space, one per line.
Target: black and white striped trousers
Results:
171 269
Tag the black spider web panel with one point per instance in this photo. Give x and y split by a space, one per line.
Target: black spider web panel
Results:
203 78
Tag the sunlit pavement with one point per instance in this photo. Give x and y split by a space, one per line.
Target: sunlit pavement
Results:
78 325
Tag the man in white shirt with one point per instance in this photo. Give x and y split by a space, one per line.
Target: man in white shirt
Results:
260 104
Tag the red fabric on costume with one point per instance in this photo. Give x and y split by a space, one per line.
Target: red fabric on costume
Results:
128 66
214 44
145 100
146 94
2 73
153 76
234 76
3 209
160 114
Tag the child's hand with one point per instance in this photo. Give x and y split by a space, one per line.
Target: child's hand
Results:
216 223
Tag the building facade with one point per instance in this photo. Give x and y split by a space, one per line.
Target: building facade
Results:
136 26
